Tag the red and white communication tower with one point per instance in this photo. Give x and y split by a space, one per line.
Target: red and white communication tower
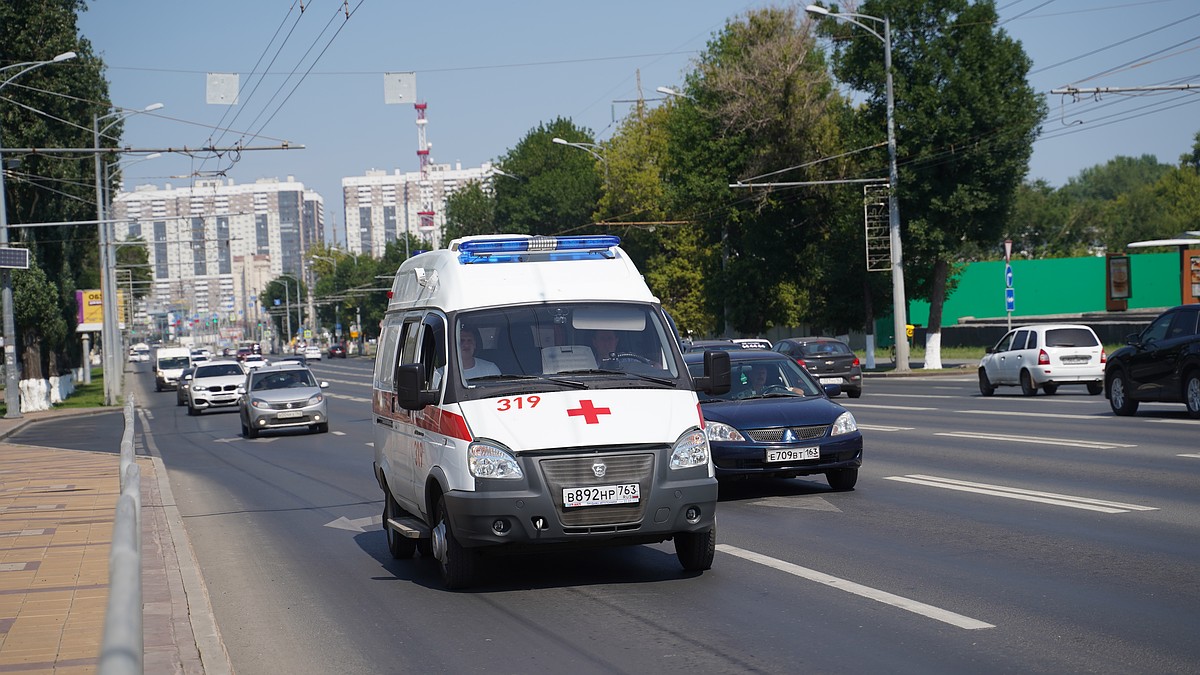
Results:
425 226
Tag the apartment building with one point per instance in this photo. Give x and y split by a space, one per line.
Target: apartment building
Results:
214 244
380 207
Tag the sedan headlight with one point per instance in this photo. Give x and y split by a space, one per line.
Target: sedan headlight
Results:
487 460
316 398
845 424
198 387
690 450
259 403
722 432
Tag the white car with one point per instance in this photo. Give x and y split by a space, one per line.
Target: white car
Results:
214 384
1044 357
312 353
253 361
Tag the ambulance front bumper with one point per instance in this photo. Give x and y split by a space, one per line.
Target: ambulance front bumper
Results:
533 510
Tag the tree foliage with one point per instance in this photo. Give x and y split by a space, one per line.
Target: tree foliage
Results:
52 188
966 119
469 211
558 186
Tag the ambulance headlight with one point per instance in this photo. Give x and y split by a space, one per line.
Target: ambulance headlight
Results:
489 460
690 450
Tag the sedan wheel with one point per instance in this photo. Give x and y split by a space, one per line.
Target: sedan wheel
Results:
986 387
842 479
1028 388
1050 388
1191 393
1118 396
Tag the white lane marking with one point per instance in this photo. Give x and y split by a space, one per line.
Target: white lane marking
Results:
355 524
848 404
344 397
371 445
877 595
811 502
873 427
1038 440
879 394
354 383
339 433
1057 399
1022 494
1192 455
1013 413
1194 422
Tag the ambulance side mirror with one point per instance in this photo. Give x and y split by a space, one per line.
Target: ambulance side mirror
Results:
716 379
409 395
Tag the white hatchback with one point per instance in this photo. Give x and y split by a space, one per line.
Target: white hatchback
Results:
1044 357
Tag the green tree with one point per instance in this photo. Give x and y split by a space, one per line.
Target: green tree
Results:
38 315
469 211
561 184
1191 159
759 107
966 118
45 188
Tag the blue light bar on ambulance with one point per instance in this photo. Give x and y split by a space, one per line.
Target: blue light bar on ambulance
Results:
521 249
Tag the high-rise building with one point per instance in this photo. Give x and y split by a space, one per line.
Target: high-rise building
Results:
198 238
381 207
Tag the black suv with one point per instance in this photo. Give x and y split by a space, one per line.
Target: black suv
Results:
1162 363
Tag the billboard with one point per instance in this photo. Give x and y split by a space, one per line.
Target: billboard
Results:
89 312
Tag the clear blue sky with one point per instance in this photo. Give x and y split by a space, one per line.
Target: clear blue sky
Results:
491 71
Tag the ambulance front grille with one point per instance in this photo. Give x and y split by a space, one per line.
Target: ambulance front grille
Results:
572 472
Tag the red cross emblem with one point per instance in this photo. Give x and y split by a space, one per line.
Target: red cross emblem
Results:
590 413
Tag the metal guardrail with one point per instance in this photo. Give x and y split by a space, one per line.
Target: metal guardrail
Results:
123 648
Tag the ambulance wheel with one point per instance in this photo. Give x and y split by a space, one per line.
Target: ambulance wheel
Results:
400 546
457 564
695 550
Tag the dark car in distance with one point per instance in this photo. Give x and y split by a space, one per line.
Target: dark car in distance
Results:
1160 364
337 351
828 359
777 421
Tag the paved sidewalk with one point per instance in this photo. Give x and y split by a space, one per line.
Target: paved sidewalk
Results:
57 509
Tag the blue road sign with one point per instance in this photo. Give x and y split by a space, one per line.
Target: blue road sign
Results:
1008 275
1010 300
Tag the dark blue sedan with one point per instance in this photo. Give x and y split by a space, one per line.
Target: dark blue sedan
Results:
778 421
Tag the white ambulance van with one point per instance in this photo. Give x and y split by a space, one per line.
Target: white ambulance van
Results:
530 392
169 364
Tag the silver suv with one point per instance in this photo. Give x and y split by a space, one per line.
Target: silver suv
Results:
1044 357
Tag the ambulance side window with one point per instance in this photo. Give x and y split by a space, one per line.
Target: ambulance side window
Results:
432 352
409 333
386 363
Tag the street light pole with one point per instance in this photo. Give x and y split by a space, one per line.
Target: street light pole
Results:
899 301
12 378
589 148
110 328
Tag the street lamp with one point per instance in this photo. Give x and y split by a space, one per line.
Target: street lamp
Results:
899 303
12 379
110 329
590 148
299 321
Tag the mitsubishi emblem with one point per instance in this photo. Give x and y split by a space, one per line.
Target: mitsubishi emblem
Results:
788 436
599 469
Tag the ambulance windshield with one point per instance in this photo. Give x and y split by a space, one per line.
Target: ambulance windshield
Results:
620 341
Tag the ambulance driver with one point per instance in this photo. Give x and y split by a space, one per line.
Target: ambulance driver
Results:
468 342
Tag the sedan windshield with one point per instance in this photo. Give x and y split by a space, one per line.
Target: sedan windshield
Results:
285 379
219 370
762 378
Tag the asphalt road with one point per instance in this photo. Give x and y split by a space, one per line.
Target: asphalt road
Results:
1001 534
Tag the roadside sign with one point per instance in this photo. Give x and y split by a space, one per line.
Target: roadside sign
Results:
14 258
1008 276
1010 300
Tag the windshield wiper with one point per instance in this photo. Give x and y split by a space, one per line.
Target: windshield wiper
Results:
530 378
606 371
